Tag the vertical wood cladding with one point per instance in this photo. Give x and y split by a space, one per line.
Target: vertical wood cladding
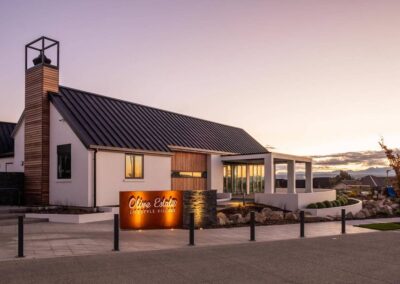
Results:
189 162
39 81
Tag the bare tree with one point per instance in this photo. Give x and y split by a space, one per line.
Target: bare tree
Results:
394 159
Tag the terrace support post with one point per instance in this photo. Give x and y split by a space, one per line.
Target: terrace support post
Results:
20 236
116 232
302 224
252 226
309 177
291 174
269 174
191 229
343 221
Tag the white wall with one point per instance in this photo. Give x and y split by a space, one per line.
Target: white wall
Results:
75 191
215 173
19 148
7 163
294 201
111 176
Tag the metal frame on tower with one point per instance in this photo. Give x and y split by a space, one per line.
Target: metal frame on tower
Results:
45 44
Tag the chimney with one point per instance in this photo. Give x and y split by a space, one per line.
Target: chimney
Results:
41 77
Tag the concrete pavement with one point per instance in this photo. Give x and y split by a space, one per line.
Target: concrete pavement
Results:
355 258
44 240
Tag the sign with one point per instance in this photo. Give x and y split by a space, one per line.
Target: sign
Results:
150 209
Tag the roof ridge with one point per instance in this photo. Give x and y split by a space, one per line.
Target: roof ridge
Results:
155 108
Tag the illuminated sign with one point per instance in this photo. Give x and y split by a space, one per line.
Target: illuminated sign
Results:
150 209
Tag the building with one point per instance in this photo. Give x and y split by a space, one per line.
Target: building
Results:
78 148
351 185
6 146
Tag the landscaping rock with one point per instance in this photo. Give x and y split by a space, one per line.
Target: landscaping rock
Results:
366 212
388 210
329 218
276 215
349 216
266 211
395 206
247 218
291 216
222 219
237 218
360 215
260 218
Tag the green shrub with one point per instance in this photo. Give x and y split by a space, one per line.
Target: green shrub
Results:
339 202
312 206
397 212
336 203
327 204
320 205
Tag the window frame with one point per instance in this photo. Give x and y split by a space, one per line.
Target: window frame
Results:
133 169
59 152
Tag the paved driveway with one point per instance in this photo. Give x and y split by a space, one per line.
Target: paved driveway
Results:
356 258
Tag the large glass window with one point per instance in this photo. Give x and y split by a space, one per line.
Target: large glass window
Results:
64 161
133 166
235 178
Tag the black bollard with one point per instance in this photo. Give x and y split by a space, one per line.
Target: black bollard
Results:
343 221
116 232
301 224
20 236
252 226
191 229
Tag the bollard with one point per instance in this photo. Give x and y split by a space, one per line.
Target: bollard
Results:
116 232
252 226
20 236
301 224
343 221
191 229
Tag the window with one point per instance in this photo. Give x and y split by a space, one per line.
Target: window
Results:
133 166
189 174
64 161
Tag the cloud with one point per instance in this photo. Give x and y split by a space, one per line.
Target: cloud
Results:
362 159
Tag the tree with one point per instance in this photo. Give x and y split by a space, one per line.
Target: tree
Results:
393 158
343 175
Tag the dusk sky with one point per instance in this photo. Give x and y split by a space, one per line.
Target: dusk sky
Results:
306 77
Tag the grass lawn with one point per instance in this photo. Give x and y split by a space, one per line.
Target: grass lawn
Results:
382 226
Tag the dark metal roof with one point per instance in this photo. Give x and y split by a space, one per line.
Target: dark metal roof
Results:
6 141
104 121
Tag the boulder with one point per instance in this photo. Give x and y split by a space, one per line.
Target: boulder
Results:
276 215
260 218
266 211
247 218
349 216
291 216
366 212
237 218
395 206
388 210
222 219
359 215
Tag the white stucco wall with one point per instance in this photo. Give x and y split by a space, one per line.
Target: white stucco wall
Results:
215 173
111 176
7 164
75 191
19 148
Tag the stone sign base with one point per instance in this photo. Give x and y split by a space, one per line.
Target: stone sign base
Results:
203 203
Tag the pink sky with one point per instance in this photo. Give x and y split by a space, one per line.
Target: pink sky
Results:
307 77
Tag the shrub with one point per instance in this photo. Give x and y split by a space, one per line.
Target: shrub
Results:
336 203
312 206
320 205
340 202
327 204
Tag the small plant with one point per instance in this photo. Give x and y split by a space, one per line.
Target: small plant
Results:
320 205
339 202
336 203
327 204
312 206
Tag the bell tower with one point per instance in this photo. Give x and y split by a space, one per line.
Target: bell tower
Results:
41 76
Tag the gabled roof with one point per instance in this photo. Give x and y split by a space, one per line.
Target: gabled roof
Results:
374 181
103 121
6 141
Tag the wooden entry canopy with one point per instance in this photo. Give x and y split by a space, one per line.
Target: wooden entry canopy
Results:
185 162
